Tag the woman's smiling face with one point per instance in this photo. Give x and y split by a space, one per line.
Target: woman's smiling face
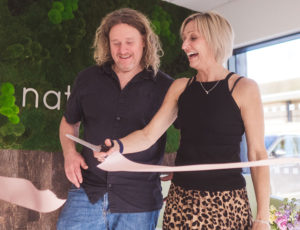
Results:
195 46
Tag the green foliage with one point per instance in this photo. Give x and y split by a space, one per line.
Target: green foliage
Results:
10 128
44 44
62 11
7 103
173 138
55 16
162 20
7 89
13 52
59 6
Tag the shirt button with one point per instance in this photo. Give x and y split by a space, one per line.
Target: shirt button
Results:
118 118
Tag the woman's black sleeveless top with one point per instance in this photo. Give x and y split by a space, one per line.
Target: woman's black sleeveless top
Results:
211 131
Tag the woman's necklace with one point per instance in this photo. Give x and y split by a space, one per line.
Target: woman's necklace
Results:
211 89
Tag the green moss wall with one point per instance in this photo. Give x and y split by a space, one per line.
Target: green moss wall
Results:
44 44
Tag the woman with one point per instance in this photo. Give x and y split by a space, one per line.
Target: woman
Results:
214 109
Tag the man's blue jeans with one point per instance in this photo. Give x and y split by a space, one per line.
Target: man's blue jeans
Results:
79 214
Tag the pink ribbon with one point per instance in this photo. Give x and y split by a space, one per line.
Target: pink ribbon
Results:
22 192
117 162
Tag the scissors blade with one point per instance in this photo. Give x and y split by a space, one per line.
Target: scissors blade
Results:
96 148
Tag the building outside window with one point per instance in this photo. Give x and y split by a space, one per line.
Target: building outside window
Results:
275 66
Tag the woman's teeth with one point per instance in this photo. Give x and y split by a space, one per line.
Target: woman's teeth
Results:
192 54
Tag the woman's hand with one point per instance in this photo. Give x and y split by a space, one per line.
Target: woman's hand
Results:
113 147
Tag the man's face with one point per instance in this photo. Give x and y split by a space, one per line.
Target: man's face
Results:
126 45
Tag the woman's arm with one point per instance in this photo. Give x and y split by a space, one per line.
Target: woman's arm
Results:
249 100
145 138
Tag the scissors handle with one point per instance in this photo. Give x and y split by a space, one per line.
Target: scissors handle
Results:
105 148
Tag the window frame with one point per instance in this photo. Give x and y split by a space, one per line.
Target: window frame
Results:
238 63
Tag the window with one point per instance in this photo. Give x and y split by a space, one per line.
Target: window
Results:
275 66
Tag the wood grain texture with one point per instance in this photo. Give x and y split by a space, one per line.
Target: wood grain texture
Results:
46 171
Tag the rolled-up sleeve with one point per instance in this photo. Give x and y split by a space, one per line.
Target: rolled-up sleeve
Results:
73 112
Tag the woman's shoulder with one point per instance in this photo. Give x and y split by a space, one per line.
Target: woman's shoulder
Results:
178 86
246 91
244 84
180 82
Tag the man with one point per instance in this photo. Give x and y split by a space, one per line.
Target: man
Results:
111 99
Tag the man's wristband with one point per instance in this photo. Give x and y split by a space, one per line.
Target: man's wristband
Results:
121 145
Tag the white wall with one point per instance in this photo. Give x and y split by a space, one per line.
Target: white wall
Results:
259 20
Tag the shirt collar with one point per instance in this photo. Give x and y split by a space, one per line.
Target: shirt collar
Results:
145 73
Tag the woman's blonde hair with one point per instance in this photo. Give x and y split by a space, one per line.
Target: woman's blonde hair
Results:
152 50
217 32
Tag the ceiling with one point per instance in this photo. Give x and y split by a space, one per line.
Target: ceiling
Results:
200 5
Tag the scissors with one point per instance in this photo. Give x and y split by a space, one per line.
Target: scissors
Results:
96 148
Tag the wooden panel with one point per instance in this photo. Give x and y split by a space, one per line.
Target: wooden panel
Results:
45 170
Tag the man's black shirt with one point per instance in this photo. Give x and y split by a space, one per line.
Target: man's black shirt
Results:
106 111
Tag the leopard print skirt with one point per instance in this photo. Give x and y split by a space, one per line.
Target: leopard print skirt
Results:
201 210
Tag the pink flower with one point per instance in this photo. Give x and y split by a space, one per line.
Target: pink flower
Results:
282 222
297 224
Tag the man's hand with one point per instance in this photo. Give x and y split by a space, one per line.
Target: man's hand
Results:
73 162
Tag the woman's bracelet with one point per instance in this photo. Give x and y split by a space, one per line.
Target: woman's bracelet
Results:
121 145
263 222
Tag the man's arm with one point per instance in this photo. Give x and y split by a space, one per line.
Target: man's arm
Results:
73 159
